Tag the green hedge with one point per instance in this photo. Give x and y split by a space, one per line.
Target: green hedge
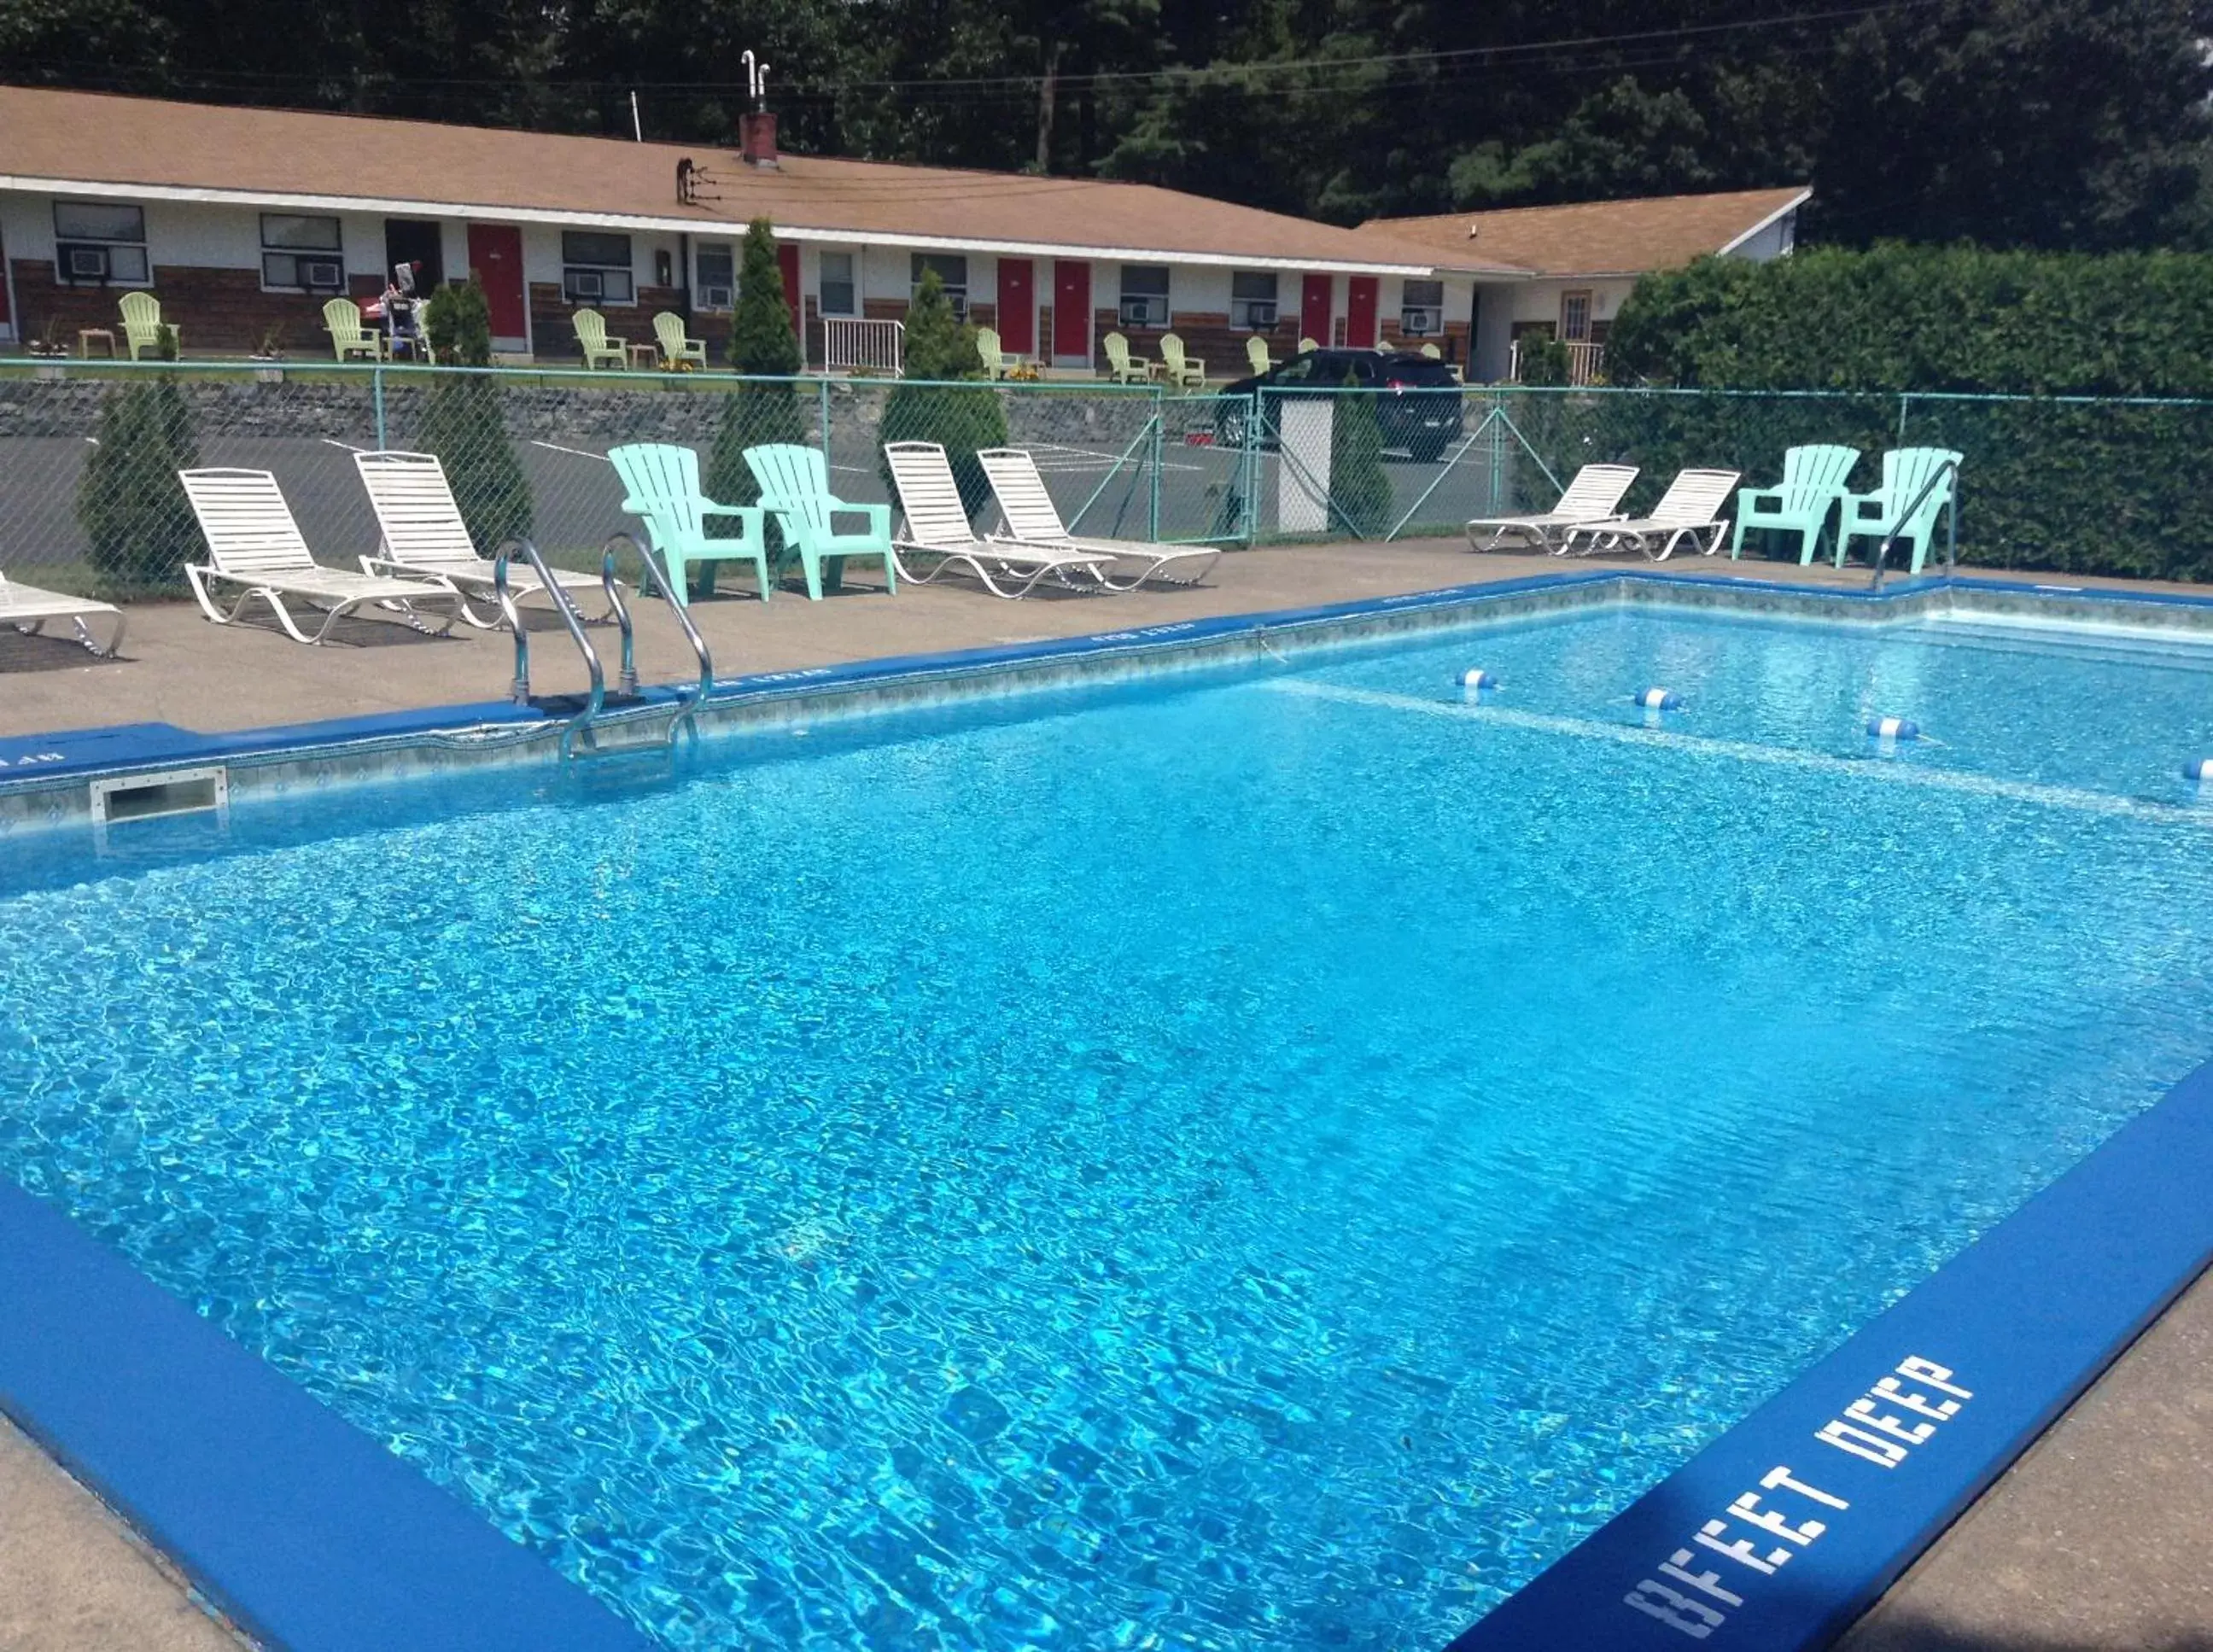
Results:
2100 486
1926 318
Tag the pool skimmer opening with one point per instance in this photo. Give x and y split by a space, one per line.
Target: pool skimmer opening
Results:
154 796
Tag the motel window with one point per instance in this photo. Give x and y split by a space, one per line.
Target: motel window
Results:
300 255
595 268
1422 309
718 279
837 293
97 243
1252 300
1575 316
1144 295
952 270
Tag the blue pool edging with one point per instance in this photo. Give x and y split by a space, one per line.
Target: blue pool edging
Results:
2024 1320
301 1528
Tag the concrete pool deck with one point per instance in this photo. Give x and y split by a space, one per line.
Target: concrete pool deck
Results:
2099 1541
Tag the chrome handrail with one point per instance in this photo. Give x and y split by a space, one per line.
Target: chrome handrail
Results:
1949 468
687 711
520 689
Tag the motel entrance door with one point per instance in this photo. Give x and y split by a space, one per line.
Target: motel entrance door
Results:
496 260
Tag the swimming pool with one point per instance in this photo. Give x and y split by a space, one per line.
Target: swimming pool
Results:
1270 1163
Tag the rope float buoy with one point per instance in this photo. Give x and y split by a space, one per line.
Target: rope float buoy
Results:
1477 679
1892 728
2199 769
1658 699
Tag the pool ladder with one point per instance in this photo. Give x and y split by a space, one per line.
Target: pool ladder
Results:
1950 468
594 711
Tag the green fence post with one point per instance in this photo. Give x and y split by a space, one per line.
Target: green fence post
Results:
1159 415
376 398
1251 467
1902 401
822 404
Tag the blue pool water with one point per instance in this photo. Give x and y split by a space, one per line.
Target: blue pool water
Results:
1265 1164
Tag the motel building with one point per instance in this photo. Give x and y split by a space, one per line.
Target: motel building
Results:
246 222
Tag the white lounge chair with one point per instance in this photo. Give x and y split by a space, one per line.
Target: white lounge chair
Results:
1032 520
937 523
254 542
1691 510
1593 495
27 608
425 537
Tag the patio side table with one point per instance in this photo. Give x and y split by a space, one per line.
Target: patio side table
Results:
86 335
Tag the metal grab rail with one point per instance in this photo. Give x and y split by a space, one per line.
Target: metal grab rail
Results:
1949 468
519 690
687 712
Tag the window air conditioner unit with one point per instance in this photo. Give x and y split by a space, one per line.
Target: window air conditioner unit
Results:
586 284
322 275
1260 317
715 298
84 263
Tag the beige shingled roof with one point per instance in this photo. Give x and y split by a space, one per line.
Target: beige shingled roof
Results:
120 145
1593 238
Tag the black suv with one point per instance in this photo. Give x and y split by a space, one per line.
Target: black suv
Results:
1417 399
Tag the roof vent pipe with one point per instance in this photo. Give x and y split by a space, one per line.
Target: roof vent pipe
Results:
757 125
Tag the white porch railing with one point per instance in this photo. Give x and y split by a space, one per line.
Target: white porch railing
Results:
1586 361
849 343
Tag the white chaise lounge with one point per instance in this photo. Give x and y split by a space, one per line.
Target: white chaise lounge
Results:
1688 513
1594 495
425 538
1032 520
253 544
27 608
934 523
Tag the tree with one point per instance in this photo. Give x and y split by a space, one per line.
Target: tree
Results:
138 524
928 404
763 408
465 423
1358 489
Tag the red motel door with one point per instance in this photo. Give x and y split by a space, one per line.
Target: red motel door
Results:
1360 298
1071 311
1017 305
1314 299
496 260
787 264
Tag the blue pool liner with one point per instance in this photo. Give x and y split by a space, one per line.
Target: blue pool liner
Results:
300 1527
2009 1333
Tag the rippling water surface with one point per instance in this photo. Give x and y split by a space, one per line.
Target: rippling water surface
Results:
1264 1166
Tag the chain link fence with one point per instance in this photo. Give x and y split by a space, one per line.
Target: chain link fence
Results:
89 454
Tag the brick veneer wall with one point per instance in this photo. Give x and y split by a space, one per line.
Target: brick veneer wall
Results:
213 310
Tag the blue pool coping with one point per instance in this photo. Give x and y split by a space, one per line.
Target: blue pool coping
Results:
310 1533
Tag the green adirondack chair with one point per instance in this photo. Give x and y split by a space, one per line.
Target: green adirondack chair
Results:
1814 479
592 334
1905 472
795 484
661 482
348 337
991 352
142 324
1119 368
669 332
1256 352
1179 369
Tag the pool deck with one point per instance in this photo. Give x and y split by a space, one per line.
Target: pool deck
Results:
2096 1541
